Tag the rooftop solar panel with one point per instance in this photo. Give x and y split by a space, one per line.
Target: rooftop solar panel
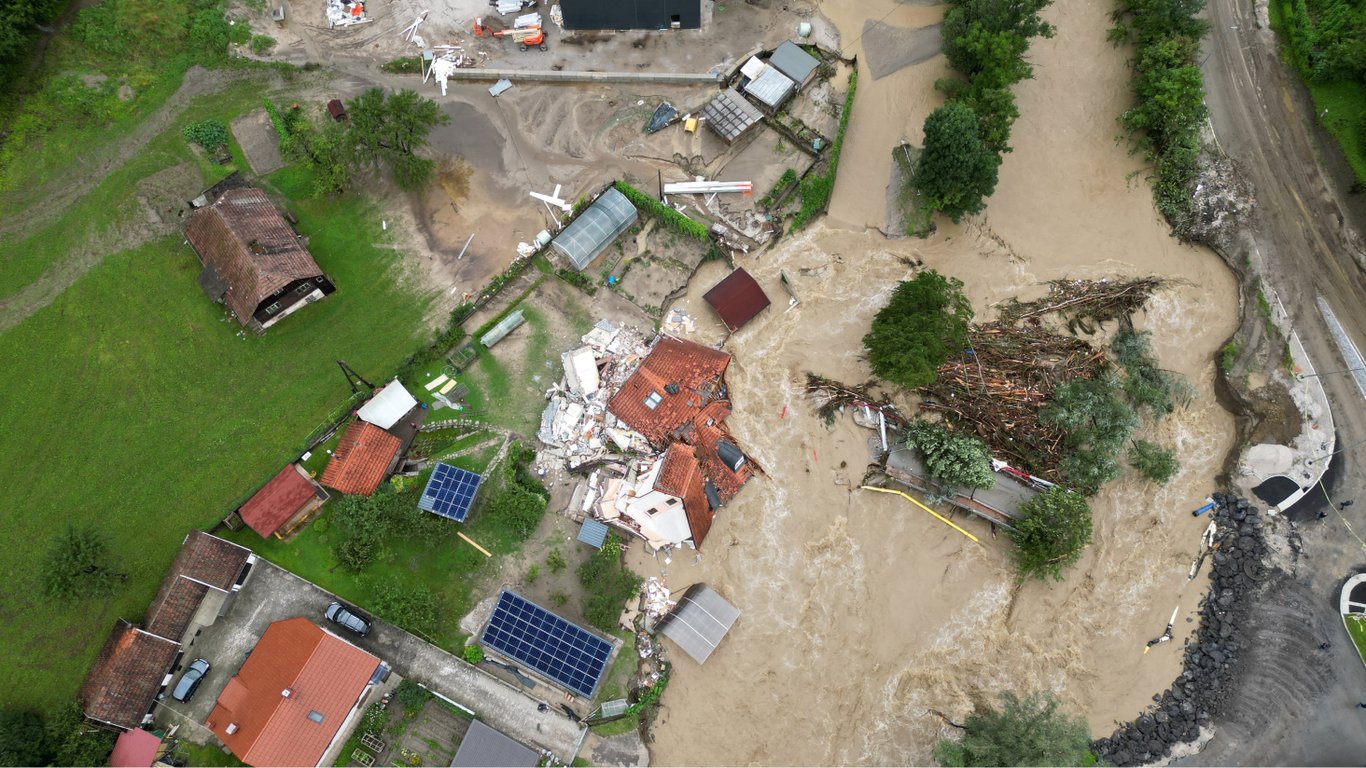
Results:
563 652
450 492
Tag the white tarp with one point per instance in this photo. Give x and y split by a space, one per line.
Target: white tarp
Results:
385 409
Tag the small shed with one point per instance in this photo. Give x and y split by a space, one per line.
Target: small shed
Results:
135 749
283 503
593 533
595 229
386 408
484 746
737 299
771 88
699 622
729 115
798 65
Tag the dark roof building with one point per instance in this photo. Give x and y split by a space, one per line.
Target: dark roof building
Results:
631 14
674 383
483 746
205 565
362 459
282 503
729 115
122 686
289 701
253 261
737 299
797 64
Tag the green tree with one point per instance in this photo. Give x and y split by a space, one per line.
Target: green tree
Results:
19 20
1052 529
968 23
78 565
73 741
955 172
411 695
1153 461
392 129
952 458
363 523
1097 424
924 322
330 151
23 741
1029 731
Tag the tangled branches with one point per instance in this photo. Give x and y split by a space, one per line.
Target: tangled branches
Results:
1085 303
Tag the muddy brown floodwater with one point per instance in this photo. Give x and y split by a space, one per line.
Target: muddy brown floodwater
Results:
862 614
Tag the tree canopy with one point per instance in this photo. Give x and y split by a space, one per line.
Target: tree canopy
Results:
953 458
924 322
1028 731
391 129
956 173
1051 531
1153 461
1098 424
79 565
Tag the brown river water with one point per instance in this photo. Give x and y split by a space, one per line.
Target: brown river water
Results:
860 613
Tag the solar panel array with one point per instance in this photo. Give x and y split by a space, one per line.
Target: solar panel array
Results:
563 652
450 492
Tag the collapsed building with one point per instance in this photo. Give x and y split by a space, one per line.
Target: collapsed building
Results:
648 425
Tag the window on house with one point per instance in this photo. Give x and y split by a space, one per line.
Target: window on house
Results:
273 308
315 716
303 288
653 400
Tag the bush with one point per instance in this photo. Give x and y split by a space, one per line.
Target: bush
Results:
1153 461
924 322
1228 355
952 458
533 573
555 561
578 280
815 190
607 584
473 654
671 219
262 44
209 134
1051 531
411 695
79 565
410 606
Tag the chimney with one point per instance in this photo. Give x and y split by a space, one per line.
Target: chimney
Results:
231 729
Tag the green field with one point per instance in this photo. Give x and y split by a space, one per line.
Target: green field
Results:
1356 627
134 403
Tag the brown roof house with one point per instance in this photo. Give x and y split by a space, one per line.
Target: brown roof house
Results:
134 665
737 299
363 458
253 260
296 697
283 504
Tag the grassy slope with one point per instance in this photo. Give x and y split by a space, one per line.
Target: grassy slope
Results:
1356 627
133 402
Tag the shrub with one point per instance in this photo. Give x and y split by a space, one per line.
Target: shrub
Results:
473 653
209 134
410 606
1051 531
533 573
411 695
955 459
1153 461
555 561
1228 355
578 280
924 322
262 44
815 190
79 565
607 584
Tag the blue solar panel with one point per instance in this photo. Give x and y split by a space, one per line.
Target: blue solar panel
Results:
450 492
563 652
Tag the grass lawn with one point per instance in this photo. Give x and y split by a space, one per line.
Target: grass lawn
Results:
617 686
133 403
207 756
1356 627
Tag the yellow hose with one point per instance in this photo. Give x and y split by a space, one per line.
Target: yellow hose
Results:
916 502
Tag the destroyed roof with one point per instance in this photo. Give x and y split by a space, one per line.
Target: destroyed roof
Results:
596 228
699 622
251 247
791 60
771 87
278 500
388 405
672 385
324 677
730 114
707 436
737 299
204 562
126 676
681 476
362 459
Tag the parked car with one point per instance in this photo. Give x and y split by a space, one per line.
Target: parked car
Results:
347 619
189 682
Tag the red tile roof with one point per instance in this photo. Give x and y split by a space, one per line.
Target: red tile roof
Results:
278 500
204 562
697 370
254 250
737 299
324 674
126 676
362 459
681 476
135 749
726 482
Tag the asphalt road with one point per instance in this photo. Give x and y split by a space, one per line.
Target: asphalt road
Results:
1296 704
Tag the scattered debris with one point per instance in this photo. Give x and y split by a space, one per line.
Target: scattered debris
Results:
664 116
678 323
500 87
1085 303
346 14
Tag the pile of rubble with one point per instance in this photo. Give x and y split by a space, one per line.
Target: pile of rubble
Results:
576 428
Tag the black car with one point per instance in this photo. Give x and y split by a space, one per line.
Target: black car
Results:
189 682
339 614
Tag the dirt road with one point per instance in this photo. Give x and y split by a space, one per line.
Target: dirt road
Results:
1296 705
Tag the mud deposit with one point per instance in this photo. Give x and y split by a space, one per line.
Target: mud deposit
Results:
861 614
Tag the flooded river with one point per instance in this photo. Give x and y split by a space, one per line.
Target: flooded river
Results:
862 616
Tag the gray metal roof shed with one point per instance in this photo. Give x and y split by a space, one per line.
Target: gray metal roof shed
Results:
771 87
792 61
699 622
593 533
483 746
730 114
595 229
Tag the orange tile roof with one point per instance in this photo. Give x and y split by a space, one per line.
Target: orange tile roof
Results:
362 459
324 674
278 500
681 476
696 370
126 675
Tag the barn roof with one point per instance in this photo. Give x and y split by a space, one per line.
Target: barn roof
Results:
737 299
362 459
672 385
699 621
484 746
250 247
126 676
204 562
278 500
